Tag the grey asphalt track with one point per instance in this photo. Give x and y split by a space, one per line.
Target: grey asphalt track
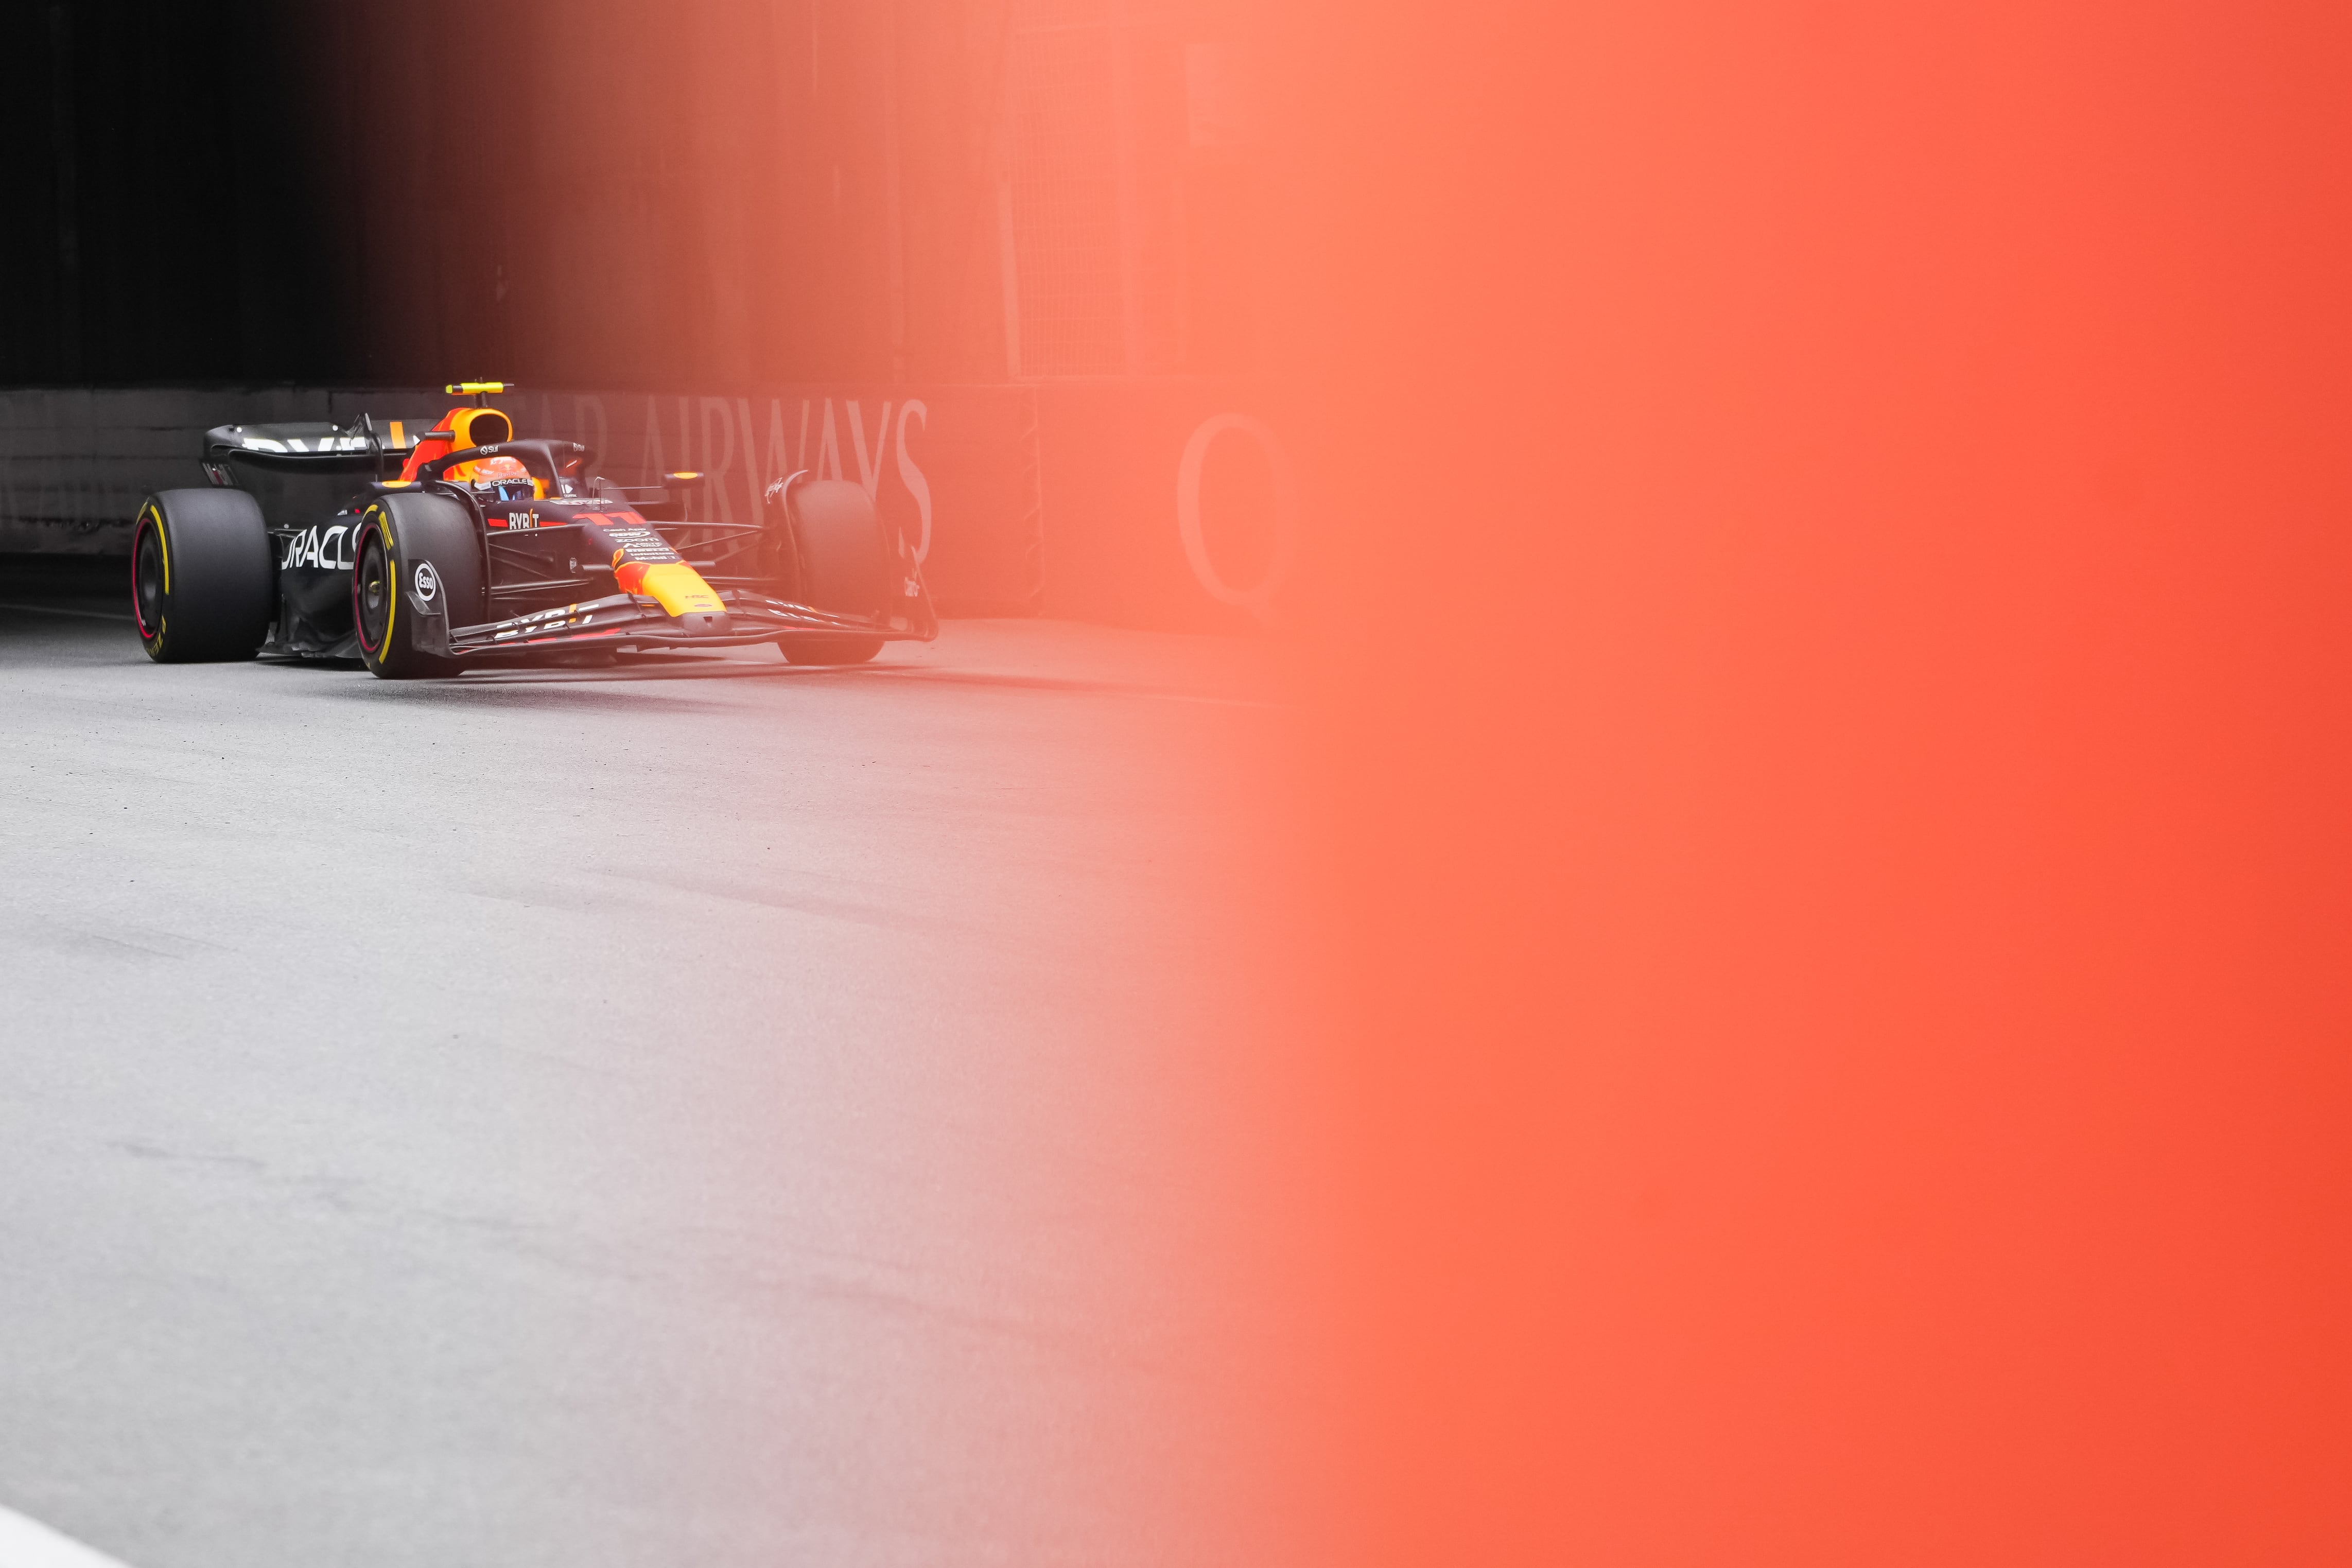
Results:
691 1113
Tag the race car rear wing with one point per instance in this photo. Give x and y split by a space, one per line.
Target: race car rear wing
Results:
366 446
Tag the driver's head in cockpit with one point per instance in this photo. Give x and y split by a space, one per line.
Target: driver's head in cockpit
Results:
504 475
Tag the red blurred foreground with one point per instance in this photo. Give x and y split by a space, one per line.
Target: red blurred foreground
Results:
1838 774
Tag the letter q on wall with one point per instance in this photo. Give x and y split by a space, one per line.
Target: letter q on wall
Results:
1257 598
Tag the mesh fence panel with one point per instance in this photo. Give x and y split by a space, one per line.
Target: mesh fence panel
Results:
1094 128
1066 207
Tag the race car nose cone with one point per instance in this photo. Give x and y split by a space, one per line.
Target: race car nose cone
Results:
700 621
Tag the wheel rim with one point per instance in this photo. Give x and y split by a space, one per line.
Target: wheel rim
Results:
147 580
372 594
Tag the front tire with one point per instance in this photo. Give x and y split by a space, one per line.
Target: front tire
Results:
203 583
845 560
409 544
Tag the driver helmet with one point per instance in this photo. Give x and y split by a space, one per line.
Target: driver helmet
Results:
490 471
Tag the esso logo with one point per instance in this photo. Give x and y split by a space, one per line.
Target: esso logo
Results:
428 582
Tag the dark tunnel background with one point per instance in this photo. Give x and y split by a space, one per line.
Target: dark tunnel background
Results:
163 223
726 191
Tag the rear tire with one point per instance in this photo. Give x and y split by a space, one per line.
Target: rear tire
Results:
830 650
203 583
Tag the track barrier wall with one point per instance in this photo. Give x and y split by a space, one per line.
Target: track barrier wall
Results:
1165 504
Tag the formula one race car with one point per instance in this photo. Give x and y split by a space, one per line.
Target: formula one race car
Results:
422 547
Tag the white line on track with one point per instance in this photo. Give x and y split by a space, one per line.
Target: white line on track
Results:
28 1543
58 610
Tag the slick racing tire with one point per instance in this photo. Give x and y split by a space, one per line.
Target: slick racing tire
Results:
417 556
831 649
204 584
845 564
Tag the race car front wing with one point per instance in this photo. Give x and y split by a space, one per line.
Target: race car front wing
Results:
622 620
